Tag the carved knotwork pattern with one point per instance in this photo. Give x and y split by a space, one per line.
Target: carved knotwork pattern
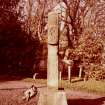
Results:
53 35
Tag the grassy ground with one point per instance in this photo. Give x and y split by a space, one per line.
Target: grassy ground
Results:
91 86
76 84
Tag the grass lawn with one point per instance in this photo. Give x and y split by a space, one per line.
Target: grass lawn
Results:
91 86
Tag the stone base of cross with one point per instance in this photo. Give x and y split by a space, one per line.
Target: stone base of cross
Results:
53 98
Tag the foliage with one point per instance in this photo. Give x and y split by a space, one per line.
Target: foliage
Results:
18 50
95 71
23 30
89 46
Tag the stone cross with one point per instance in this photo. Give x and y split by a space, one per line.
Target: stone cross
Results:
53 96
52 66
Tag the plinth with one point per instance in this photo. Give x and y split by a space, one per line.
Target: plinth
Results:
53 98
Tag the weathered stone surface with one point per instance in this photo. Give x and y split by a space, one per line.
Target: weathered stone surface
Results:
42 99
52 28
52 73
52 66
53 98
57 98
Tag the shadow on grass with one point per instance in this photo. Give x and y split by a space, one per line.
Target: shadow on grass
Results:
77 80
16 76
7 77
98 101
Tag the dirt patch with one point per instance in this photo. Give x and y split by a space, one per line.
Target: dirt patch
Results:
11 93
14 97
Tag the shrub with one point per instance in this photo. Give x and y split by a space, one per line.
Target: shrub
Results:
96 72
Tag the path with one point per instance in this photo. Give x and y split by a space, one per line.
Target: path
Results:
12 91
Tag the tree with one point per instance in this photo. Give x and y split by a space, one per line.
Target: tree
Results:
18 50
84 25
